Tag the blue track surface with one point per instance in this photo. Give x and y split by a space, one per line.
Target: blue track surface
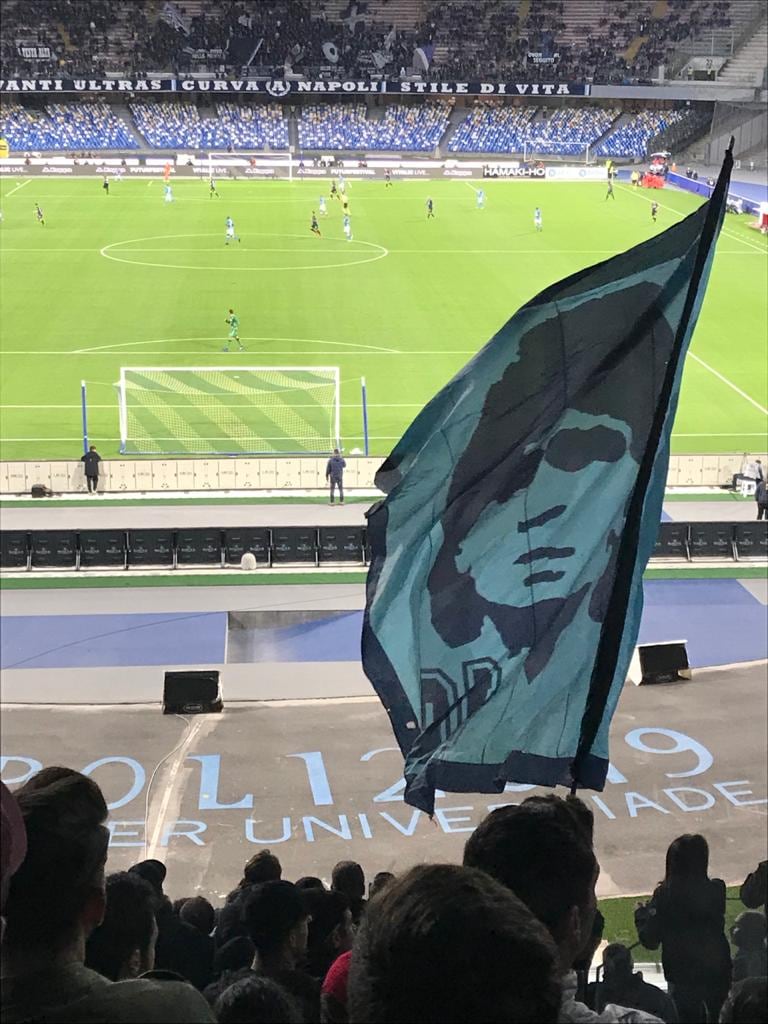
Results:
96 641
721 620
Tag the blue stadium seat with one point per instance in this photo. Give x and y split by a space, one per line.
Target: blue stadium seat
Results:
65 126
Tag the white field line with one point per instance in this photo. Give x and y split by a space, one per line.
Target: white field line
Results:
16 189
729 383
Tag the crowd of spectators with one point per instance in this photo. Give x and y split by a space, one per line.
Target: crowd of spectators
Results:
401 127
484 39
507 937
64 126
230 126
632 138
492 127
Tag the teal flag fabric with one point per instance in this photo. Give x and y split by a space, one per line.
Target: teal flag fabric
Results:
522 504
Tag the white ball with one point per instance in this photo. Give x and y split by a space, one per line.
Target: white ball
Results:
248 562
356 451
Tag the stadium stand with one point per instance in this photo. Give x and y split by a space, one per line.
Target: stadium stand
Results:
402 127
595 39
631 139
493 128
64 126
170 125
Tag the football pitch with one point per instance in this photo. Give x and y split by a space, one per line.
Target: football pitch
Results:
128 280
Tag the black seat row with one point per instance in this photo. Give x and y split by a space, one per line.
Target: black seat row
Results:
125 549
690 541
299 545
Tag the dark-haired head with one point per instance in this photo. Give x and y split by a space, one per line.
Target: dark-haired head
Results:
56 898
198 912
543 856
380 881
687 860
123 945
262 867
233 955
309 882
444 943
330 930
275 919
256 1000
348 878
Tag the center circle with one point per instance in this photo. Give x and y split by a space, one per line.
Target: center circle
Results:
360 251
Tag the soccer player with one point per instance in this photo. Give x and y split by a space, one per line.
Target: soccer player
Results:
345 203
230 231
234 331
167 194
212 190
537 219
105 185
387 178
342 184
334 191
347 227
430 208
609 193
39 214
323 207
480 199
654 210
314 227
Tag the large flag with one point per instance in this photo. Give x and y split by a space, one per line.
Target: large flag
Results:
505 585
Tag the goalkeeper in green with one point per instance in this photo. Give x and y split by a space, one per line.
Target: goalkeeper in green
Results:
234 331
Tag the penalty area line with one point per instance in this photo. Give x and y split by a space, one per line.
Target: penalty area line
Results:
729 383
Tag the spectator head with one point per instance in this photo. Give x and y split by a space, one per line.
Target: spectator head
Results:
13 844
56 898
687 859
152 871
198 912
336 451
545 859
178 904
330 930
309 882
570 809
262 867
276 921
748 931
617 964
123 945
235 954
445 943
256 1000
333 996
347 876
380 881
746 1002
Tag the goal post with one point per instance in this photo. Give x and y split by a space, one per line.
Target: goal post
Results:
229 410
243 163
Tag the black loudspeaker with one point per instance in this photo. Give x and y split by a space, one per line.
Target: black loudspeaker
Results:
340 544
54 549
102 549
198 547
711 540
192 692
40 491
752 539
238 540
672 541
14 549
294 544
150 547
659 663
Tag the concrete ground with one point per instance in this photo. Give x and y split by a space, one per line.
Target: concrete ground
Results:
319 781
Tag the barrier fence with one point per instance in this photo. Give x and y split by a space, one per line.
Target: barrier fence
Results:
217 548
276 474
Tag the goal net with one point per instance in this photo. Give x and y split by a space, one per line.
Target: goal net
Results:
216 410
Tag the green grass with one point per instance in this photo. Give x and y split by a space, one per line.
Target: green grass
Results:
619 916
127 280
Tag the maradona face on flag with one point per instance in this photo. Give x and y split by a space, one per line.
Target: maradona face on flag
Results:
504 592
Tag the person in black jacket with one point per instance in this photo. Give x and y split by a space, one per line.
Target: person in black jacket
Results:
91 461
334 474
761 497
686 915
626 987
